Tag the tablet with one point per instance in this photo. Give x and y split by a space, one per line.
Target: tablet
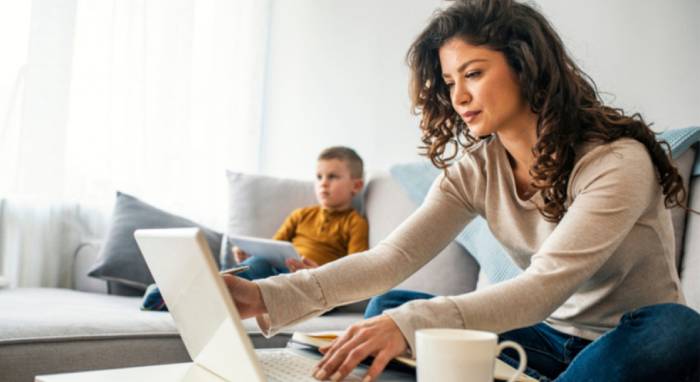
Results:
274 251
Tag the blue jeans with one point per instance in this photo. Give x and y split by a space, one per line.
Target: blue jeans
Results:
260 269
655 343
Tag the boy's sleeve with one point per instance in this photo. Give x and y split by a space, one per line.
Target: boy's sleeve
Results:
287 230
359 234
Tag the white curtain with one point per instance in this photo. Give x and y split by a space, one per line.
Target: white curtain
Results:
155 98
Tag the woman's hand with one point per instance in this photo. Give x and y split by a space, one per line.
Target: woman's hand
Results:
295 265
378 336
246 295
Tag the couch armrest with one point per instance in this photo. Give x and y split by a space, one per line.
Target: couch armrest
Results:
83 259
690 262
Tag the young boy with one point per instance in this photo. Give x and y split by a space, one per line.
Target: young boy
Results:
324 232
320 233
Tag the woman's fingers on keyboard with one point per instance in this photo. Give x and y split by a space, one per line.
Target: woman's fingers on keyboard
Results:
378 336
378 365
349 354
322 371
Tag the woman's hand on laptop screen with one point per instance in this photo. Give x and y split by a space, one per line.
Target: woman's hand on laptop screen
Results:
246 295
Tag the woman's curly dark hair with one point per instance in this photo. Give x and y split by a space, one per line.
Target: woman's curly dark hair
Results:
564 98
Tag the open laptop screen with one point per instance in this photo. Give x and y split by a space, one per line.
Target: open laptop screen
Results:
198 300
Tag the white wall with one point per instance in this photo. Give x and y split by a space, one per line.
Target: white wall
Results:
336 71
643 54
336 75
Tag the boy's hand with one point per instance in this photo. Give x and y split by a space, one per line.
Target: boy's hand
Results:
239 255
246 295
295 265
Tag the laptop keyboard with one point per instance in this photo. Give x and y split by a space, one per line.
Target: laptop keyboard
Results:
285 366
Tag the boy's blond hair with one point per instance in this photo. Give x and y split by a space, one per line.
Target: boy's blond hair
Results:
346 155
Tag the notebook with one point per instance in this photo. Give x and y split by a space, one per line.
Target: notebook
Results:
208 321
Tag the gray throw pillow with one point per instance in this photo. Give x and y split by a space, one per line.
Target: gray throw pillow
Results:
120 261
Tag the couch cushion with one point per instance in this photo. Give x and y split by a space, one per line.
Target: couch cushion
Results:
31 313
45 330
451 272
120 262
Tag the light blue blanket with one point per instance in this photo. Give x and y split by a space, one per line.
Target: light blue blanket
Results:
416 178
680 140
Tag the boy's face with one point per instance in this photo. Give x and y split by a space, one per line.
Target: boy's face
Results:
335 187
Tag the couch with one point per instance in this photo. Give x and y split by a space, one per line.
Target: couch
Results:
51 330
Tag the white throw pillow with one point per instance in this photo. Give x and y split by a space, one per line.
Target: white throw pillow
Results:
259 204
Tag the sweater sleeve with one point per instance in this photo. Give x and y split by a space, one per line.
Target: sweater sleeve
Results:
612 189
292 298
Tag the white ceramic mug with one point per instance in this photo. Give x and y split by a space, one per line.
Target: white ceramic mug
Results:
451 355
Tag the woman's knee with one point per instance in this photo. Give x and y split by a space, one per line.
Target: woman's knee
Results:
658 342
668 330
669 315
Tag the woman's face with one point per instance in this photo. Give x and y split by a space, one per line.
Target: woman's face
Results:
483 88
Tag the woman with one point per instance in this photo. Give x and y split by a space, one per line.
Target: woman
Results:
575 191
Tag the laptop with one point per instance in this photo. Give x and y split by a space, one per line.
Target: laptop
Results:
207 319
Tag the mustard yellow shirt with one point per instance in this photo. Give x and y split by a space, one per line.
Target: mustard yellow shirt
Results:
322 235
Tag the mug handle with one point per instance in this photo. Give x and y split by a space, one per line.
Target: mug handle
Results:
521 354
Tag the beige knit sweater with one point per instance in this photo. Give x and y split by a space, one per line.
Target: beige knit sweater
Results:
611 253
